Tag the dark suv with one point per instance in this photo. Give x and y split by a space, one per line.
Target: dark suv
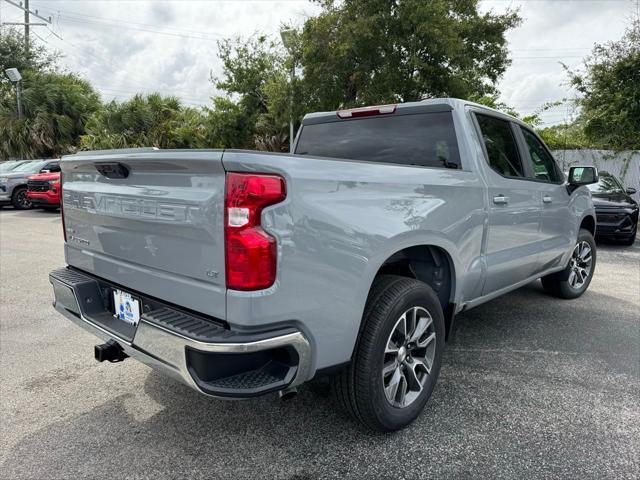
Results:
616 211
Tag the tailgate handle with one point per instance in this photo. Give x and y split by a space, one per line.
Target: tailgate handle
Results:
113 170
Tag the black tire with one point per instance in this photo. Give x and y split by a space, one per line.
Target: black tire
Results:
559 284
359 388
19 199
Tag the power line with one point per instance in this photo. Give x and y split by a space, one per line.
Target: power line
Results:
144 27
27 19
141 84
150 30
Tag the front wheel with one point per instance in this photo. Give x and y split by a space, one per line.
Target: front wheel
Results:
20 200
397 357
574 280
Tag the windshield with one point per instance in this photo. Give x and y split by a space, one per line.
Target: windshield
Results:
31 167
607 185
7 166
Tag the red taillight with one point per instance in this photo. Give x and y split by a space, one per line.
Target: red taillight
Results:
250 252
64 228
367 111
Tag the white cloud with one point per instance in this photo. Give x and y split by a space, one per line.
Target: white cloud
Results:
127 46
554 32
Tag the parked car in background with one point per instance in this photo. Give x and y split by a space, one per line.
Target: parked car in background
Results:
242 273
43 190
13 184
616 211
9 165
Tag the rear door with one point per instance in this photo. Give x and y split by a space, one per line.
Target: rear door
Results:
513 235
556 231
150 221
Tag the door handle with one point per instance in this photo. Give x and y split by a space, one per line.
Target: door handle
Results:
547 199
500 200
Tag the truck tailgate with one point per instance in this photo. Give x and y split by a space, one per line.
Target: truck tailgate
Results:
151 221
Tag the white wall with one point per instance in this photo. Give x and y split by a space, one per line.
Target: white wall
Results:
625 165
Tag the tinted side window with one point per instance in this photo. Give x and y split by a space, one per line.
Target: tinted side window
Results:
425 139
501 145
53 167
542 163
607 184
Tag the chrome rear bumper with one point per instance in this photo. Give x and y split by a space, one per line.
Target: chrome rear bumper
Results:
207 361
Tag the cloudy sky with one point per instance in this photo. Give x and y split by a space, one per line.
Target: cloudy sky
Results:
127 46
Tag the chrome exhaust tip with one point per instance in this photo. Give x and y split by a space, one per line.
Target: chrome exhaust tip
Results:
288 393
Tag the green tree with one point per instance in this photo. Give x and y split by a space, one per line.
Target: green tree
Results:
56 107
13 54
568 136
362 52
255 111
228 125
610 88
145 121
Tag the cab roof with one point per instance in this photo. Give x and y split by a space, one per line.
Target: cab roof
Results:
423 106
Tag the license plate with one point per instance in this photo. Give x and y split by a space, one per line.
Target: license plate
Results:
127 308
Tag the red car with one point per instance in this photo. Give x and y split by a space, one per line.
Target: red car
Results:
43 190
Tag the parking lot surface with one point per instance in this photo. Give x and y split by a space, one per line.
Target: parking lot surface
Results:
530 387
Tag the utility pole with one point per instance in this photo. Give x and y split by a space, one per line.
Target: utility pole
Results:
27 19
26 25
288 36
19 98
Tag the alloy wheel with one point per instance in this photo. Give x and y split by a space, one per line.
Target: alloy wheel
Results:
580 265
23 200
408 357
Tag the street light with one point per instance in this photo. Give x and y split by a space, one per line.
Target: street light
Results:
288 36
14 76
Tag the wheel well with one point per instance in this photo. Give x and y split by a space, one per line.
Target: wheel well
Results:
588 223
431 265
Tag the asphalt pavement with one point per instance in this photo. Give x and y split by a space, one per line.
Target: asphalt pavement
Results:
530 387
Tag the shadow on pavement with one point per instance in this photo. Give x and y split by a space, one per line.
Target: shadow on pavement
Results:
530 386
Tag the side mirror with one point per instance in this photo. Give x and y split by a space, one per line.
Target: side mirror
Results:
631 191
582 176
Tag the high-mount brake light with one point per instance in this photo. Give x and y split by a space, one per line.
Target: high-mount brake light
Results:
250 252
367 111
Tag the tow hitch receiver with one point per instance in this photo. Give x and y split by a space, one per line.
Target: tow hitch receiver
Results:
111 351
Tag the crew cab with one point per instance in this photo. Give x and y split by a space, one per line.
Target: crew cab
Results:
43 190
241 273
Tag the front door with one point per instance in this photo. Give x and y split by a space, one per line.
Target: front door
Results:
557 235
513 234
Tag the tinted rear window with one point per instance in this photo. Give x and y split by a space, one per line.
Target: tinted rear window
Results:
426 139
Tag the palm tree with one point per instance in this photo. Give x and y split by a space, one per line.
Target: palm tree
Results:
56 108
145 121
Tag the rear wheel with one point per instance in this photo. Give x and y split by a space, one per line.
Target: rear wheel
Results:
19 199
398 355
574 280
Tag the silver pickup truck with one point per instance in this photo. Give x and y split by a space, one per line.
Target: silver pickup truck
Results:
242 273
